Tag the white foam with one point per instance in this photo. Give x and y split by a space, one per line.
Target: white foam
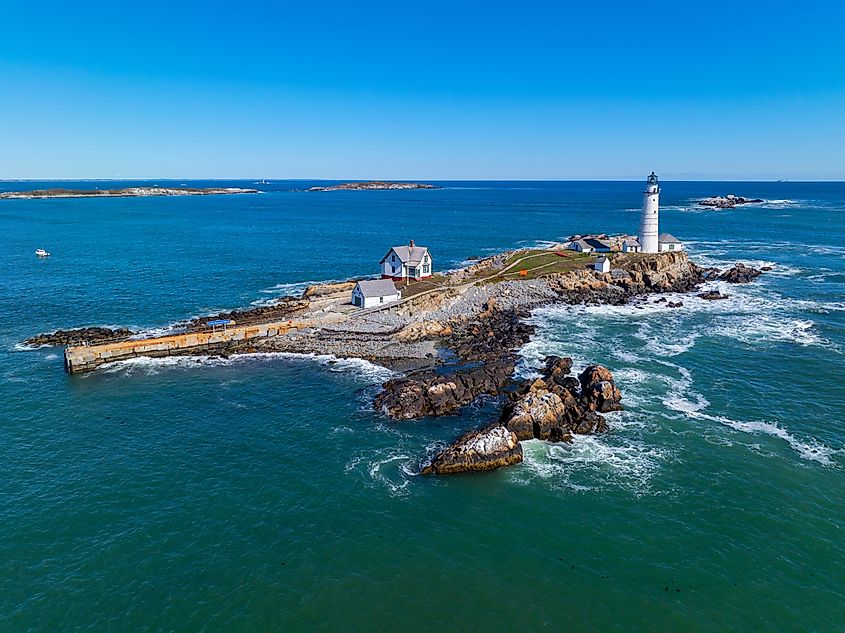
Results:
23 347
592 458
771 328
358 367
811 449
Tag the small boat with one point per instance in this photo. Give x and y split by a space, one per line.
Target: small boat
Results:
42 253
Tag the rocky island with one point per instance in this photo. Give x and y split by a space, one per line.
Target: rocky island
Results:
456 336
126 192
374 185
727 202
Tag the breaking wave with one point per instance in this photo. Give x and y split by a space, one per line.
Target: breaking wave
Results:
809 449
369 372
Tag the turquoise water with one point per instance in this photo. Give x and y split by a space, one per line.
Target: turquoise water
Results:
263 494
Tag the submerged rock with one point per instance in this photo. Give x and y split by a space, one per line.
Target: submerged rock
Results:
739 273
713 295
485 449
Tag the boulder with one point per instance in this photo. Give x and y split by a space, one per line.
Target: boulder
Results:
535 414
598 391
713 295
740 274
429 393
555 406
484 449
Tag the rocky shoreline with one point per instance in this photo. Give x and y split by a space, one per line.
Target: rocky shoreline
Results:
127 192
462 341
374 185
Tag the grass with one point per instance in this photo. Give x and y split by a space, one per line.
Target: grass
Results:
415 287
538 263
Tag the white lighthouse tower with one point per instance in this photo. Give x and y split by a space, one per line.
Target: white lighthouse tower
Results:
650 215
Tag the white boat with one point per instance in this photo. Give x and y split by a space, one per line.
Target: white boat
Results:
42 253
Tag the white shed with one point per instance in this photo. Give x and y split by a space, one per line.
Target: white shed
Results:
602 264
373 292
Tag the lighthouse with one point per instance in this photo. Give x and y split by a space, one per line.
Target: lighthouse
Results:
650 215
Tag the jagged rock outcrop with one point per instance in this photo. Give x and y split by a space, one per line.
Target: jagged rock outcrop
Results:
429 393
485 449
280 310
739 273
557 405
493 333
79 336
551 408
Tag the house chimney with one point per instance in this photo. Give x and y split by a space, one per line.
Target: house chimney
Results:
412 244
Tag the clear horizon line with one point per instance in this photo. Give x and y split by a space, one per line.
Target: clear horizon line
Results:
413 180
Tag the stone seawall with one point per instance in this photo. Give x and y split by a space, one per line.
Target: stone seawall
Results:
87 357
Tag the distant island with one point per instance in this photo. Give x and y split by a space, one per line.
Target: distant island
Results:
727 202
128 192
374 185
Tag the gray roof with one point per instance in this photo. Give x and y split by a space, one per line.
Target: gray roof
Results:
668 238
407 255
377 287
632 241
601 260
597 243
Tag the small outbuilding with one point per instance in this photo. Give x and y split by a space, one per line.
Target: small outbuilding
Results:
370 293
602 264
668 242
631 245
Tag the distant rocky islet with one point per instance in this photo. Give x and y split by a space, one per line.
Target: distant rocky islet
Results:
727 202
374 185
126 192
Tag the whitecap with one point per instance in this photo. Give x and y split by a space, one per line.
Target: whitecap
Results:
24 347
809 449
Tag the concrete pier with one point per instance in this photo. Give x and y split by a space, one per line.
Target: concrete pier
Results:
87 357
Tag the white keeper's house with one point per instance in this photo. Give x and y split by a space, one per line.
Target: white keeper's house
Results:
369 293
406 262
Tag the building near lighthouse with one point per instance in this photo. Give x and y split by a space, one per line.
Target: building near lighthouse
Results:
649 219
668 242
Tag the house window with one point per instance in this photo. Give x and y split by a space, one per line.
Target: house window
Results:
381 299
412 272
425 269
393 258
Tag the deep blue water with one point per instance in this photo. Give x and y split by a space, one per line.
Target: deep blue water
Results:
263 494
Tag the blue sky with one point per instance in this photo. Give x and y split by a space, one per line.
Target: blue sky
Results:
433 90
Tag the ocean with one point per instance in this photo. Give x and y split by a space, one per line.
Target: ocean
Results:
262 493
